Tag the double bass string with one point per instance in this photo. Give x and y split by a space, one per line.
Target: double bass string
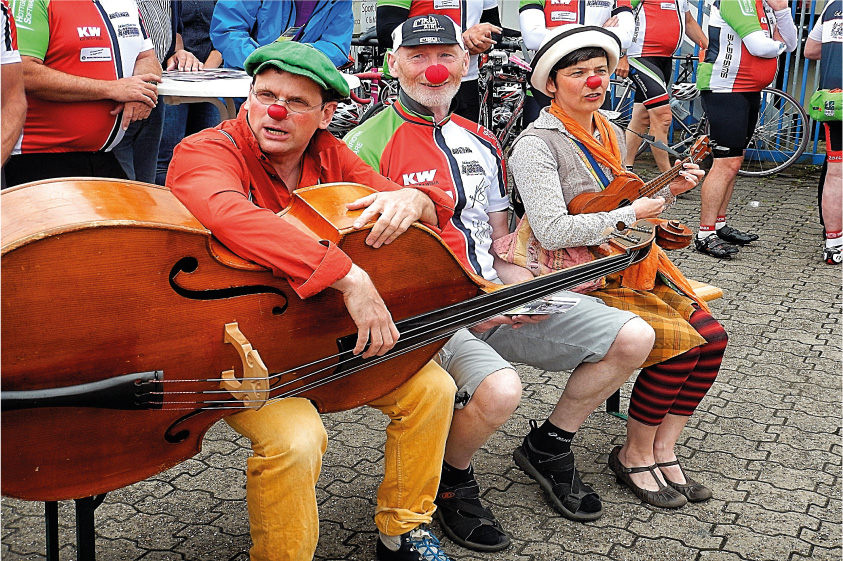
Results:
416 337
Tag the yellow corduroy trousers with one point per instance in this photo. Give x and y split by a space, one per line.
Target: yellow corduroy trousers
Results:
289 439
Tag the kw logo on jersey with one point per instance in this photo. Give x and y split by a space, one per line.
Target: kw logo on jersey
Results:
418 177
88 32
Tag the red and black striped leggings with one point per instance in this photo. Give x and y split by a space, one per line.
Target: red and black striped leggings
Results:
677 385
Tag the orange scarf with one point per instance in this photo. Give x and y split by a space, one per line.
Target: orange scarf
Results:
606 151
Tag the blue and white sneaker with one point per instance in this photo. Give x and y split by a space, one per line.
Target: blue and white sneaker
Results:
416 545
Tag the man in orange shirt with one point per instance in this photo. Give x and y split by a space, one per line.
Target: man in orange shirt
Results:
234 179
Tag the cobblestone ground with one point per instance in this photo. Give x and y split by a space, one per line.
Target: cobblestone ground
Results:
767 439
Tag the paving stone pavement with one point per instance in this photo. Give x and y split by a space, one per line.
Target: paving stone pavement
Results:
766 439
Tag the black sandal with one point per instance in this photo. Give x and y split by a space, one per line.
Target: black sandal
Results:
567 497
461 515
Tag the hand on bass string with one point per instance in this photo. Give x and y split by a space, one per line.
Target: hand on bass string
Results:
368 310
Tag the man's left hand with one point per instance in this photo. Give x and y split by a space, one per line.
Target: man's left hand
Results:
132 111
397 210
184 61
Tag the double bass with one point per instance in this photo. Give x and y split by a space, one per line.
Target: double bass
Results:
128 329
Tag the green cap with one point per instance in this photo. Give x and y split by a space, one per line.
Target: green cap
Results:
298 58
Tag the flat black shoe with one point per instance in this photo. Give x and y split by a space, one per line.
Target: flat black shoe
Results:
735 236
566 494
714 246
466 521
694 491
665 497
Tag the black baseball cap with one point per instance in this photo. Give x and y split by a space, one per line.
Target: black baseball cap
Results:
432 29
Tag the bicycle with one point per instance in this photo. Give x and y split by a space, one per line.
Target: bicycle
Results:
376 90
780 137
503 90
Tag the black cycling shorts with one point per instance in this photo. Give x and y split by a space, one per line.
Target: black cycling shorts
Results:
732 117
651 75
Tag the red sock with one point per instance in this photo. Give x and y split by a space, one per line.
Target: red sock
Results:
705 230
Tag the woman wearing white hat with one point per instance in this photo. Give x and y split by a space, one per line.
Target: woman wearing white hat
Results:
572 149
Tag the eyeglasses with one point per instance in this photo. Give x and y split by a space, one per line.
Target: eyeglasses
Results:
266 97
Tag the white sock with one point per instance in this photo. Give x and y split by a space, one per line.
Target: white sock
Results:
392 543
703 234
719 225
834 242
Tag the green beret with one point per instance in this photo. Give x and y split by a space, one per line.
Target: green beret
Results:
298 58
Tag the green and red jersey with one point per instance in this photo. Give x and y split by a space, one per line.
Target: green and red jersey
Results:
728 65
96 39
456 156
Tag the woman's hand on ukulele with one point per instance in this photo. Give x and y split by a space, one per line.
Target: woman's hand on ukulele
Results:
687 180
645 207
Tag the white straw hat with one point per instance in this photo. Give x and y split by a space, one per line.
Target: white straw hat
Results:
567 39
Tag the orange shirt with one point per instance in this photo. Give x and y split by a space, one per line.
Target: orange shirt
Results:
214 179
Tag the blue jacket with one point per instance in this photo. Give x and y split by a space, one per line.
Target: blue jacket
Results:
239 27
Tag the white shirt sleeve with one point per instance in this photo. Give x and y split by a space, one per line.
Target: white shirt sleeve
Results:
625 29
817 32
758 44
533 28
787 29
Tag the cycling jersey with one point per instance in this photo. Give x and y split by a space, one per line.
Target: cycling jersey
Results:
659 26
829 31
562 12
9 51
464 13
728 65
458 156
555 13
99 40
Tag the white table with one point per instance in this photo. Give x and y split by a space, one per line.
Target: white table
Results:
235 84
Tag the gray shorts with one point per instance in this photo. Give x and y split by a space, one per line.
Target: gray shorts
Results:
469 361
563 341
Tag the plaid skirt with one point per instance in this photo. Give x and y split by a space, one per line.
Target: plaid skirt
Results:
666 310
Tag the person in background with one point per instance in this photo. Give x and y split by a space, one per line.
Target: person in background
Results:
84 86
659 29
138 151
480 20
602 345
235 178
189 118
825 43
238 27
13 97
573 149
730 89
538 17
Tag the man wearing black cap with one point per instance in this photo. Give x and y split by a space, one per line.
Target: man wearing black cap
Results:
418 141
234 179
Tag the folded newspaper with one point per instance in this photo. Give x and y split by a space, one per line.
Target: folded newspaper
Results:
552 304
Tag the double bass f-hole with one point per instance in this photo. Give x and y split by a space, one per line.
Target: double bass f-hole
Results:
253 389
190 264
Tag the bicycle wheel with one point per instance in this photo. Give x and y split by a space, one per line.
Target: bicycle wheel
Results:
621 96
780 137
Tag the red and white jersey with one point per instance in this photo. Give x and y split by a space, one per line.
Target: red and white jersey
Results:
9 51
98 39
659 26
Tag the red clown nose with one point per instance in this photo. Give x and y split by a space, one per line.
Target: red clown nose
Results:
277 112
594 82
436 74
